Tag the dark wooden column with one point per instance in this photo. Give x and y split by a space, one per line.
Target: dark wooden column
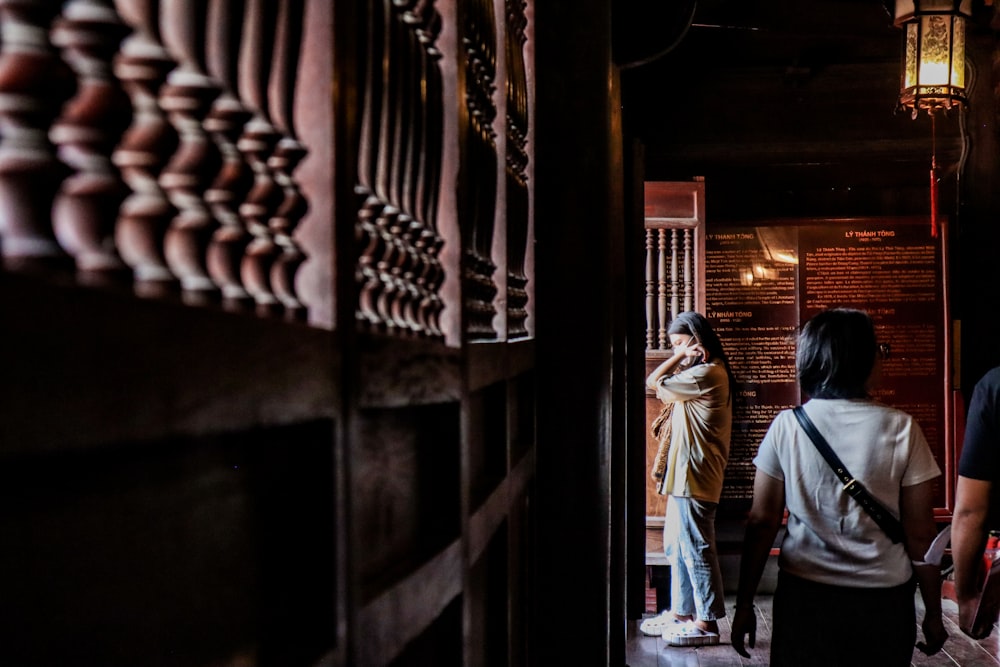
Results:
578 223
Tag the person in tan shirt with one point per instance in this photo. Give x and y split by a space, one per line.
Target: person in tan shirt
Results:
698 380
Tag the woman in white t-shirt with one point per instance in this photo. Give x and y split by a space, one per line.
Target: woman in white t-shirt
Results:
845 589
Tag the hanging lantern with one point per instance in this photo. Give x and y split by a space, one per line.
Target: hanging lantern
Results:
933 54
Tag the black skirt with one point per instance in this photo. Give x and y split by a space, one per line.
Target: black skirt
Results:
838 626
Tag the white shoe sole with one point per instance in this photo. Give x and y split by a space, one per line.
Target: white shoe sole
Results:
689 634
655 626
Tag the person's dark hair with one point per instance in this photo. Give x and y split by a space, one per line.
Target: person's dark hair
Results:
836 354
695 324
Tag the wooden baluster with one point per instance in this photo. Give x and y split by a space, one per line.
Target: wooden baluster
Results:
398 271
410 222
389 169
34 84
287 155
225 123
142 66
384 206
651 314
368 242
84 212
367 232
662 286
688 269
395 218
187 97
415 260
430 242
479 207
417 272
257 143
675 262
517 169
431 304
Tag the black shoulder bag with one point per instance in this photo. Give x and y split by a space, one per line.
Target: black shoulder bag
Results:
886 521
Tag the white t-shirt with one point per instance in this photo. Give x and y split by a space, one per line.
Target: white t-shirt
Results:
830 539
700 427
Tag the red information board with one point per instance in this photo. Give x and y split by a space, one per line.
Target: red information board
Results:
763 281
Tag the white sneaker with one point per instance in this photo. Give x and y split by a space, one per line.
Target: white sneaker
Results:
689 634
655 625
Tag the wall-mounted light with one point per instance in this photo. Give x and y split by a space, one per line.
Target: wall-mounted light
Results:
933 53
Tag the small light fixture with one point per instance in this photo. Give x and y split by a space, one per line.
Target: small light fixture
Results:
933 53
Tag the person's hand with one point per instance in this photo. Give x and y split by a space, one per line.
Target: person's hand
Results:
693 350
934 635
681 349
697 352
744 623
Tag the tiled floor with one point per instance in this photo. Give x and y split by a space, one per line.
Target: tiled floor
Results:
644 651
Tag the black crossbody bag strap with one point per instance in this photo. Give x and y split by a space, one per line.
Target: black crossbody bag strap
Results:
890 524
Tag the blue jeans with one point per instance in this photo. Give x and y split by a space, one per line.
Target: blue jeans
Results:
696 587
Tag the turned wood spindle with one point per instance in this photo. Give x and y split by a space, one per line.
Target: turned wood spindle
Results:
479 207
517 218
257 144
675 268
651 312
142 66
225 123
662 283
288 153
374 123
187 97
431 303
688 269
34 84
89 33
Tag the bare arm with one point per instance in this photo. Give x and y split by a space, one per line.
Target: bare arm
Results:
968 537
917 514
762 527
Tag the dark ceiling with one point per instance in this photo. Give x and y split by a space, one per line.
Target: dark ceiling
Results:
788 108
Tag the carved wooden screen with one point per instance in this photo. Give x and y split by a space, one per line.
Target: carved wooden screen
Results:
675 282
171 165
443 270
184 184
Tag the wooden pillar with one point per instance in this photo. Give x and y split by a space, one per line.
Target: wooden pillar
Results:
576 175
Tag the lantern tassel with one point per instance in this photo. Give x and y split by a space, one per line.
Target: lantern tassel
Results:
934 178
934 199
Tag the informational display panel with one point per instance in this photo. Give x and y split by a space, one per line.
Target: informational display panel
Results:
764 281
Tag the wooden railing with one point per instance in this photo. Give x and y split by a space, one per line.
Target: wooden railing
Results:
171 165
675 255
669 281
154 144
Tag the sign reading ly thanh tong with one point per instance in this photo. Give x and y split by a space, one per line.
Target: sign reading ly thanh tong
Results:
763 281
